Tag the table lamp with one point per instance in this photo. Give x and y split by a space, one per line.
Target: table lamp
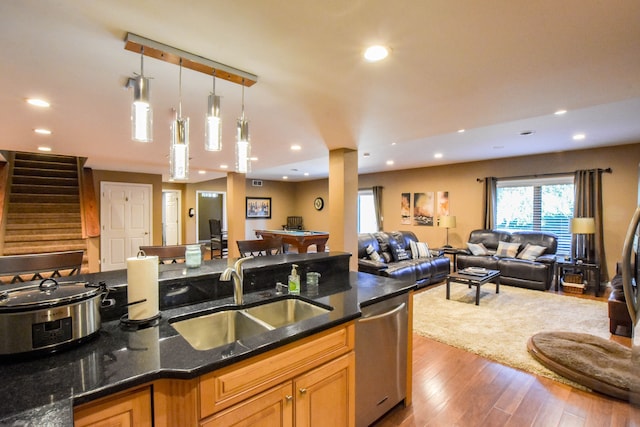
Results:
447 221
581 227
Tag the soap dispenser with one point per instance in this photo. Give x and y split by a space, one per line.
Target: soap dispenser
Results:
294 280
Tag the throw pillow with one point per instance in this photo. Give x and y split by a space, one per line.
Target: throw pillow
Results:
396 245
507 250
373 254
477 248
531 252
419 250
386 257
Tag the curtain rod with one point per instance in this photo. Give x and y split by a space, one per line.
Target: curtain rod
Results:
541 175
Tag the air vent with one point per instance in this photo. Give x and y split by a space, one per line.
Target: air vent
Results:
256 183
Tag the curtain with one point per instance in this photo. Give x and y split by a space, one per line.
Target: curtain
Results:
588 204
490 202
377 203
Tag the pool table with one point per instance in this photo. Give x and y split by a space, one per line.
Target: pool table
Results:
301 239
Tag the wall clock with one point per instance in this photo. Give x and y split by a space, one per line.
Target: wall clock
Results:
318 203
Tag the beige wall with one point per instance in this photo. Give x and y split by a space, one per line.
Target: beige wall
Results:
620 194
465 193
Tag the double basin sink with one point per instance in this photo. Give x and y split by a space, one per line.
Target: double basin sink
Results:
213 329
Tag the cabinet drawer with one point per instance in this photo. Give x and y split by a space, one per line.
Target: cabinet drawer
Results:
225 387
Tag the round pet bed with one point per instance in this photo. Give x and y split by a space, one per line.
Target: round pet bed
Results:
601 365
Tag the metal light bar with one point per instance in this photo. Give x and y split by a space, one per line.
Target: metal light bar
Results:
163 52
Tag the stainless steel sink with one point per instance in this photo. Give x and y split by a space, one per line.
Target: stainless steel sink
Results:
215 329
285 312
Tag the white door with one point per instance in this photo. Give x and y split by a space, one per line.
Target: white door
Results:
125 215
171 217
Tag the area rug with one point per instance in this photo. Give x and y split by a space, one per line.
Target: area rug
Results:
501 325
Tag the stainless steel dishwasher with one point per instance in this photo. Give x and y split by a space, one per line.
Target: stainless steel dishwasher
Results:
381 358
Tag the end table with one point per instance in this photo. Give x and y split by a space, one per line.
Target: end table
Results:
563 265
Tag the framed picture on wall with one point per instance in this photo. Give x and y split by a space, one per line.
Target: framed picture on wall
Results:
258 207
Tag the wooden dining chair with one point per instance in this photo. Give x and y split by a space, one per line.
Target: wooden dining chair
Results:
260 247
21 268
218 238
169 254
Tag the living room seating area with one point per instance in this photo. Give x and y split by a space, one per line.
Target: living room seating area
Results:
399 254
524 258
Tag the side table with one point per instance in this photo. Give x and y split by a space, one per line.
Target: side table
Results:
573 265
454 254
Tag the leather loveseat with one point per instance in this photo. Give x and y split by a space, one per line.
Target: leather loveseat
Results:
528 261
429 267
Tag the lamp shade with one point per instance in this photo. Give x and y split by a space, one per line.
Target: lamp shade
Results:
583 226
447 221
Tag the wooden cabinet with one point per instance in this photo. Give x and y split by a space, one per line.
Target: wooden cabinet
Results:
309 382
326 395
128 409
272 408
322 397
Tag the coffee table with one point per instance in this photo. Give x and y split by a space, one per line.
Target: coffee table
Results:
477 279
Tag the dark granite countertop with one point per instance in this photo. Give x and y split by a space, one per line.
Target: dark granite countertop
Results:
42 390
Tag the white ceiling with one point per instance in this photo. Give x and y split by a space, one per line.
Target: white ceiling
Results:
495 68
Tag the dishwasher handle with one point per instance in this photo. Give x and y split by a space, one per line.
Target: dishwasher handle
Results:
383 315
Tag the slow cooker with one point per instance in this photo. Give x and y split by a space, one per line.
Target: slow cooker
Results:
49 316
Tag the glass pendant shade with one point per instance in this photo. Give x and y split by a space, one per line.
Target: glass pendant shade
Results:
243 146
179 153
213 125
141 113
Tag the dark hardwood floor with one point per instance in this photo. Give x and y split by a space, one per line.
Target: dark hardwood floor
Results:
452 387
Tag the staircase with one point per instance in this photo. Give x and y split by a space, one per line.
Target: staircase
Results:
43 212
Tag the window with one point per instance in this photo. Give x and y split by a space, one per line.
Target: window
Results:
366 212
544 204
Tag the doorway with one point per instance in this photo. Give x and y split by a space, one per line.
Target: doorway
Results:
209 205
171 218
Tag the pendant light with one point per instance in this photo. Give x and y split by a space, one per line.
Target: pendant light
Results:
243 146
213 124
179 150
141 113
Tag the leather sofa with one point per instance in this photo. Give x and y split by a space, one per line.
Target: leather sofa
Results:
533 272
430 268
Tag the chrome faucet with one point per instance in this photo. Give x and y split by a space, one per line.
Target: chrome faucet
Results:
235 273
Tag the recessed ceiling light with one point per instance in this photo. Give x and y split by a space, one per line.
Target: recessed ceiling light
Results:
42 131
253 159
306 174
38 102
390 162
560 112
224 166
43 148
285 177
498 147
527 132
366 154
376 53
437 155
296 147
460 130
393 143
579 136
202 172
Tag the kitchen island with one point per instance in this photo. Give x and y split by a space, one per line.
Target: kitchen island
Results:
45 389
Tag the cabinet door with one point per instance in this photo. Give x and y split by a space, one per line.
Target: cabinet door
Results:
132 409
325 396
272 408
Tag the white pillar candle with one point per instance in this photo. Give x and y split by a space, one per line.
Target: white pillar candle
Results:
142 284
